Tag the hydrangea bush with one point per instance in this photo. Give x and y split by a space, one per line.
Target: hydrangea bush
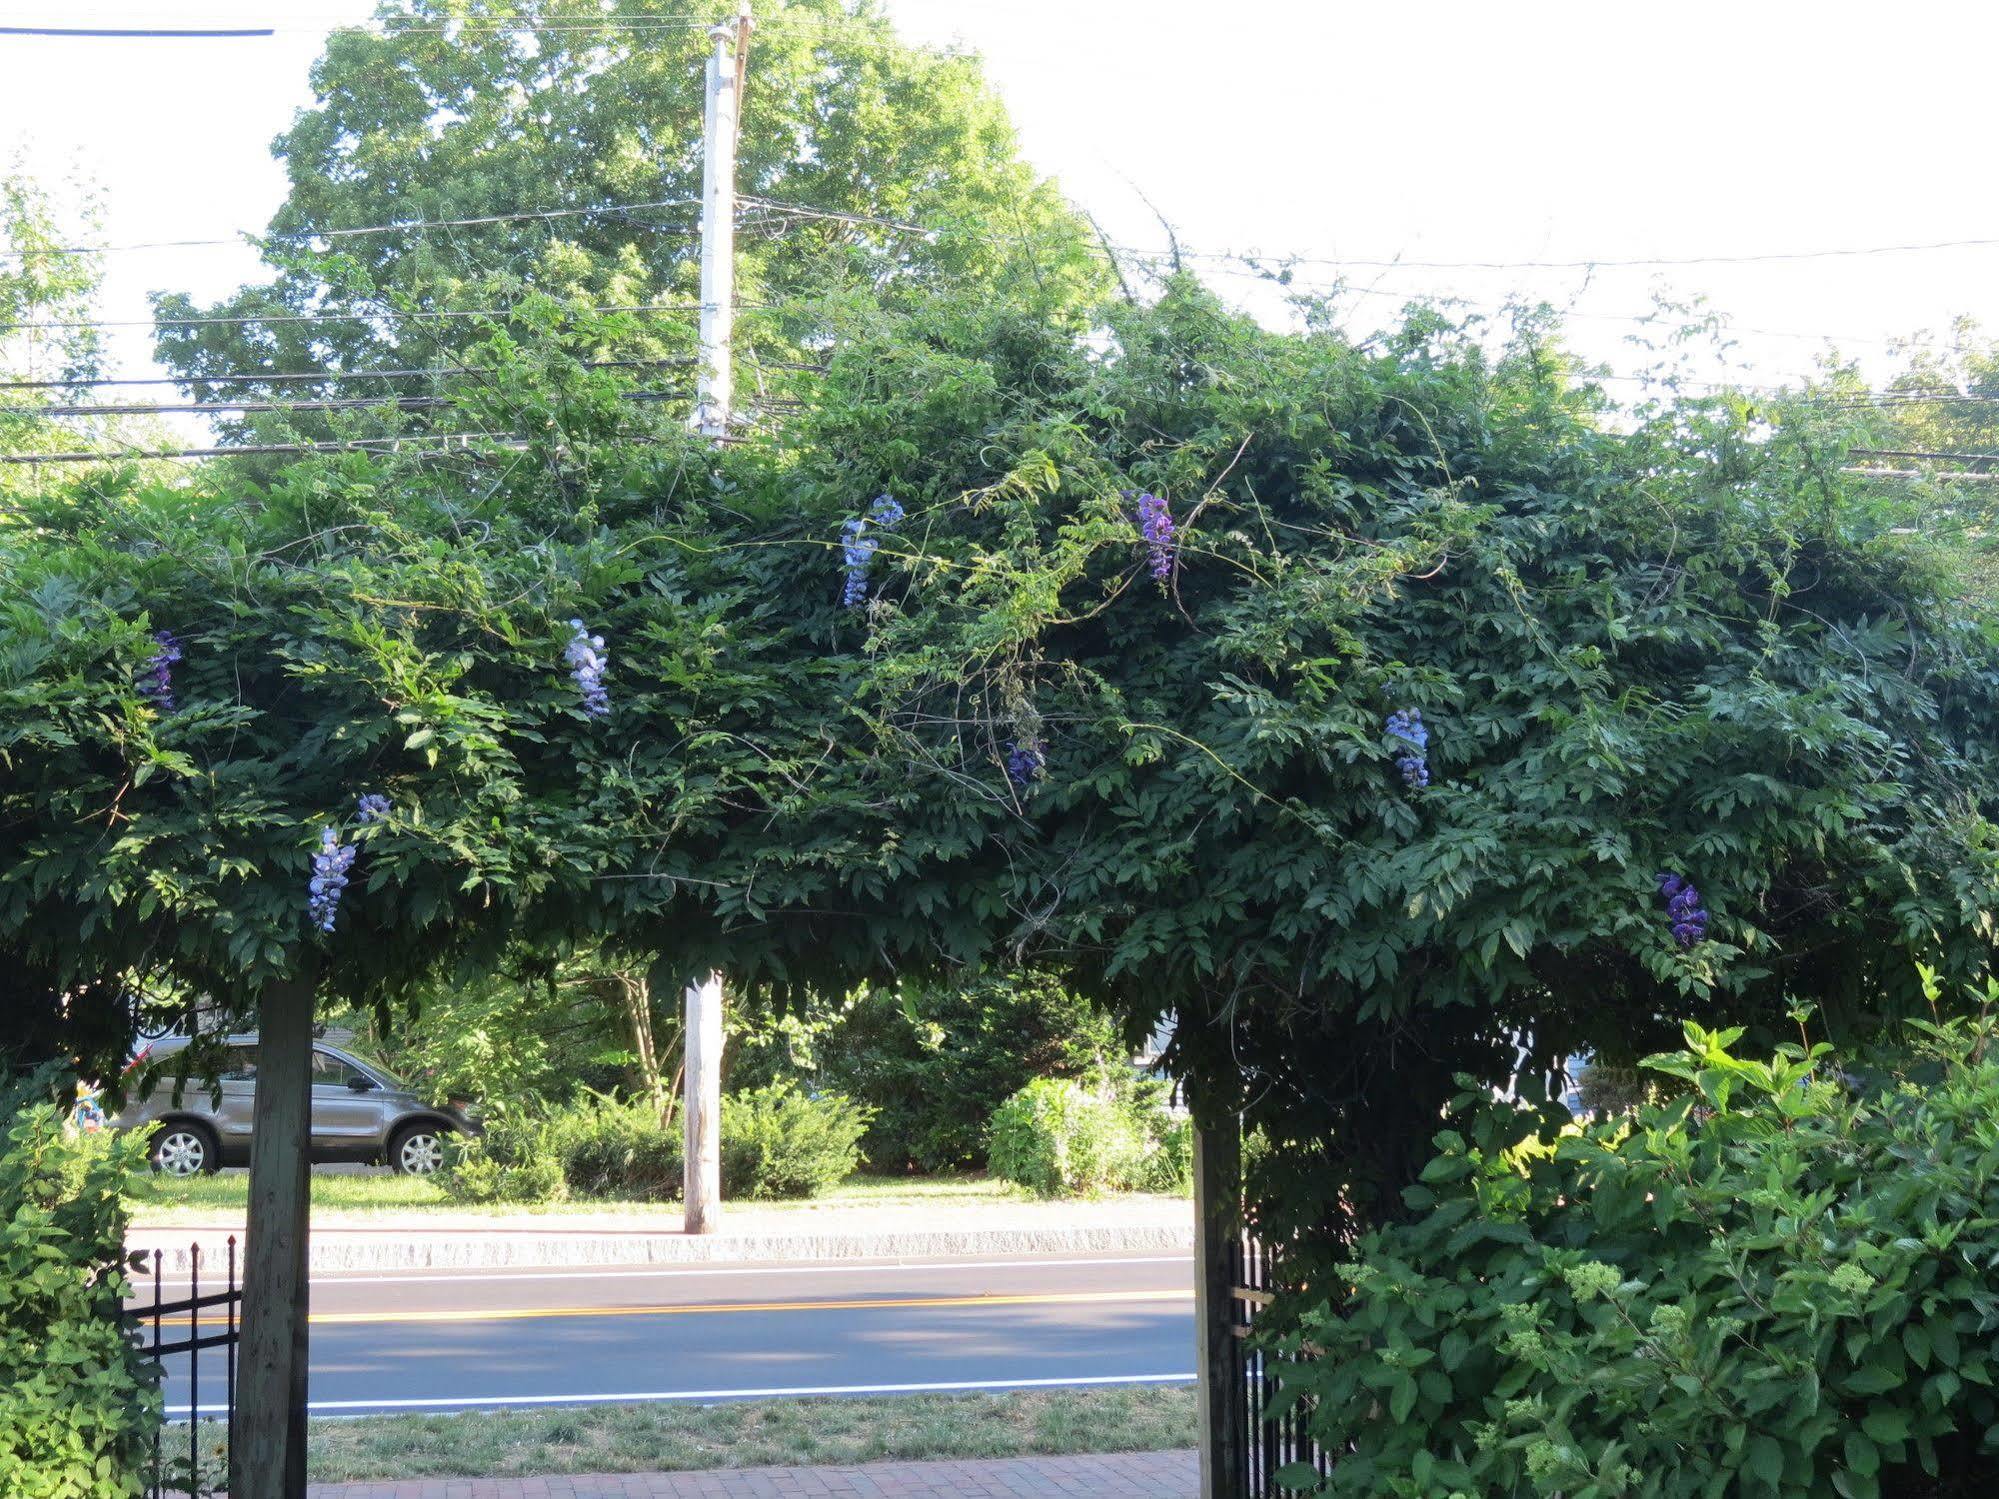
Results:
79 1408
1783 1282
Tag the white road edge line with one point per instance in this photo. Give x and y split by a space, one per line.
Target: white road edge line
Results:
656 1397
555 1273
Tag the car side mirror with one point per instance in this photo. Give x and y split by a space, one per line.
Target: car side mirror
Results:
360 1084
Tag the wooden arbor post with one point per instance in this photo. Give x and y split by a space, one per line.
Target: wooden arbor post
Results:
1223 1392
267 1457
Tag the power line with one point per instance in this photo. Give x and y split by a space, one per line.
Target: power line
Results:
247 407
356 445
319 377
1598 262
1940 457
342 317
1289 258
401 226
1955 476
146 32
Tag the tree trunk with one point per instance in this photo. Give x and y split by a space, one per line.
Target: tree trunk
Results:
267 1460
1222 1395
701 1044
635 995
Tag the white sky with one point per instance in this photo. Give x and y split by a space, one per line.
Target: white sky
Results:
1421 130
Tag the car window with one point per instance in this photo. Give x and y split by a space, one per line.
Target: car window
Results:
328 1071
239 1065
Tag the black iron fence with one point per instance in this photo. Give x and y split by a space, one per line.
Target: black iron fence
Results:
1275 1437
175 1334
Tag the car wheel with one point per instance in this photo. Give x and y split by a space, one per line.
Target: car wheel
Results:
418 1150
185 1150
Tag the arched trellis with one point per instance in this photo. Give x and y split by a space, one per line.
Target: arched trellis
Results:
1023 740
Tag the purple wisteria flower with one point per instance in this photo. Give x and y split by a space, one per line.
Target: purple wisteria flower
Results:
329 879
858 545
157 681
372 808
1026 762
1155 523
587 659
1684 909
1406 724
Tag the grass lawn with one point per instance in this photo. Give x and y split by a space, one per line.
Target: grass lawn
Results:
168 1201
752 1434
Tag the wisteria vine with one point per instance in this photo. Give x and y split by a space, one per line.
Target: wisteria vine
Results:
1406 724
1155 523
329 878
858 545
157 681
1684 909
587 659
1026 762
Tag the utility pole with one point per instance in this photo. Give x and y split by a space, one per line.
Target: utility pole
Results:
702 1116
718 224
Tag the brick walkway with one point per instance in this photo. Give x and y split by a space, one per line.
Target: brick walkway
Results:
1130 1475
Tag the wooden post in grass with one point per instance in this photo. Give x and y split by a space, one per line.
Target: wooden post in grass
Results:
1218 1354
267 1458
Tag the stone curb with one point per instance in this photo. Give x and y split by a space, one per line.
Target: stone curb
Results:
343 1249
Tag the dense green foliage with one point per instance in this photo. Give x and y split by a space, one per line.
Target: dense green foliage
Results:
1926 427
779 1141
1060 1138
1781 1283
77 1406
617 1149
517 1158
1679 644
933 1061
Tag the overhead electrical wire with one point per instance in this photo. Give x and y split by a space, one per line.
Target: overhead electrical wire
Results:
148 33
1261 259
319 377
248 407
354 445
379 314
400 226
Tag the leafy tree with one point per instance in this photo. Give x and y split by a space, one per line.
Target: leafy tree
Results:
458 110
935 1060
1936 418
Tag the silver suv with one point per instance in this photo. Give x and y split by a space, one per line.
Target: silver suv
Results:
360 1112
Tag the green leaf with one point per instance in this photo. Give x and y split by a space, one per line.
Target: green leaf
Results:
1886 1424
1916 1340
1861 1455
1763 1460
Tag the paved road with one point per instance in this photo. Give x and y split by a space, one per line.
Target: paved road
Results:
458 1340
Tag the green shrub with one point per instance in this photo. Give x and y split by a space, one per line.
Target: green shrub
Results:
1608 1089
611 1147
780 1142
517 1159
1169 1164
1059 1138
1782 1282
934 1063
78 1409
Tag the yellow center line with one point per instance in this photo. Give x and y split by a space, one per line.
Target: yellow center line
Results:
524 1314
